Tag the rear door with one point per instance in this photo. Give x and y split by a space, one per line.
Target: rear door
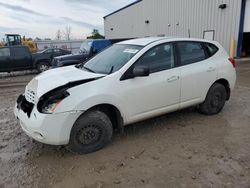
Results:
21 58
5 60
198 72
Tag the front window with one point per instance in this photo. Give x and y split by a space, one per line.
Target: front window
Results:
85 47
112 59
158 58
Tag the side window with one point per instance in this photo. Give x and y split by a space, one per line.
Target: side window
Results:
49 51
4 52
191 52
20 53
211 48
56 50
158 58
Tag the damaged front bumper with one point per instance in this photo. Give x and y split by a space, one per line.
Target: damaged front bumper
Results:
51 129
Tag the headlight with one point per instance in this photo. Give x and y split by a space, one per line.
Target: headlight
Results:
50 107
48 103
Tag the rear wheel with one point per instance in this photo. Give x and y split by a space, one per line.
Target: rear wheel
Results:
91 132
43 66
215 100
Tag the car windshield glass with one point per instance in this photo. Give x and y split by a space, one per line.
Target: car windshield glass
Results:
85 47
112 59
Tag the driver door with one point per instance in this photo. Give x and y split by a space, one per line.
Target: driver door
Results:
157 93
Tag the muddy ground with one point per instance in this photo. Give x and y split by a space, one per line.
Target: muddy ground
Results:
182 149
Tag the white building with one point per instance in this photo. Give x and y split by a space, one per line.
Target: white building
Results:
220 20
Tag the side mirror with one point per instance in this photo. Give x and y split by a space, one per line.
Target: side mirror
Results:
140 71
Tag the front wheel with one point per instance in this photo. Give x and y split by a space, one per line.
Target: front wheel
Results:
215 100
91 132
43 66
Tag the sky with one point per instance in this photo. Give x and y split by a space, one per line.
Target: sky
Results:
43 18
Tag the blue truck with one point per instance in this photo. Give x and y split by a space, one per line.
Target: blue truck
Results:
88 49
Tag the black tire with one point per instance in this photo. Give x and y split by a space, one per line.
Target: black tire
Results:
43 66
215 100
91 132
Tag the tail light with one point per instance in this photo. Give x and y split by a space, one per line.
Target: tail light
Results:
232 61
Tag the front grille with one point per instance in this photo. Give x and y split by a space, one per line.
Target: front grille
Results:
24 105
30 96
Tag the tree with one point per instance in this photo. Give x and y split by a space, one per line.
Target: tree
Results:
67 32
95 35
58 35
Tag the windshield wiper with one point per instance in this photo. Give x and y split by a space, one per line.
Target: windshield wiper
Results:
88 69
111 70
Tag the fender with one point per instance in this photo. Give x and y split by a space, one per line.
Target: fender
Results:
90 102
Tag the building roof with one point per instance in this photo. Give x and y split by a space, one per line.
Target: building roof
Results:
129 5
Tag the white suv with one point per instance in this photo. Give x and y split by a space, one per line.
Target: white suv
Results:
80 106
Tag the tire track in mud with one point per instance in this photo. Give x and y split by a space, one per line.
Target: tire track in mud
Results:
15 82
10 85
11 88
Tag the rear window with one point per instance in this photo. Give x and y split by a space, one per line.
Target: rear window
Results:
4 52
191 52
20 53
211 48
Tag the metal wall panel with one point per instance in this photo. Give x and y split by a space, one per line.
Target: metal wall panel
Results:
247 17
176 18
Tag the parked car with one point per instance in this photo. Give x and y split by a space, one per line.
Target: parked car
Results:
80 106
88 49
53 52
17 58
49 54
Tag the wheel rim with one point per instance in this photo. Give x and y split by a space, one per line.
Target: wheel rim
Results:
89 135
43 68
216 100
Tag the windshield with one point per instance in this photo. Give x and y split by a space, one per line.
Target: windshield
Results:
112 59
48 50
85 47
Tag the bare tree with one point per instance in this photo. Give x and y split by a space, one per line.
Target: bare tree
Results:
58 35
67 32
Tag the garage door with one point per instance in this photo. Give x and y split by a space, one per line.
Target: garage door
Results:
247 17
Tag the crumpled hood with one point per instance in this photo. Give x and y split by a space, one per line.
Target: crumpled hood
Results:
54 78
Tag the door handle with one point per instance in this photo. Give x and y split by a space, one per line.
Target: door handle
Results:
173 78
211 69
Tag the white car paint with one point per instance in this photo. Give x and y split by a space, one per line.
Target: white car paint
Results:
136 99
